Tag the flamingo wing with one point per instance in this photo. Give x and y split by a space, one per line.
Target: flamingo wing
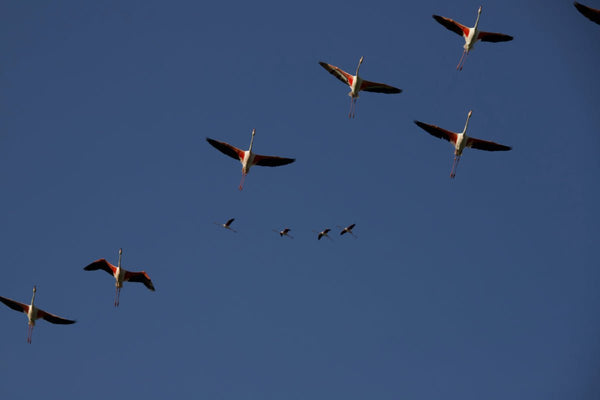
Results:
486 145
55 319
494 37
437 131
452 25
227 149
15 305
272 161
141 276
591 13
368 86
229 222
338 73
101 264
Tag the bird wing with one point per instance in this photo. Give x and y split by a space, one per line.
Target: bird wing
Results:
103 265
338 73
55 319
141 276
368 86
15 305
591 13
486 145
437 131
351 227
227 149
272 161
452 25
494 37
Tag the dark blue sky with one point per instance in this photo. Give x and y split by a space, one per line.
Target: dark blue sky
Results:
485 286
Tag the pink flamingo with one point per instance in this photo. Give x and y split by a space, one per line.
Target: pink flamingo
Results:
120 274
357 84
460 141
248 158
34 313
471 35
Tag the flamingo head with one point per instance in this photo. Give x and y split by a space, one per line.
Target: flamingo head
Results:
253 131
470 113
34 289
120 251
479 11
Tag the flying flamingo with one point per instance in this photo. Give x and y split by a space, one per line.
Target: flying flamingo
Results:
591 13
284 232
323 233
471 35
34 313
227 225
348 229
357 84
248 158
460 141
120 274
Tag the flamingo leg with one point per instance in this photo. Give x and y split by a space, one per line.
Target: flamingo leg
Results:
352 112
242 181
117 295
462 60
29 332
454 166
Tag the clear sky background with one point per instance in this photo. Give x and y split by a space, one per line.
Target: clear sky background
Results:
481 287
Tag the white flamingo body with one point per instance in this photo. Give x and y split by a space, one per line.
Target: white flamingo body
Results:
34 313
248 158
357 84
471 35
460 141
120 274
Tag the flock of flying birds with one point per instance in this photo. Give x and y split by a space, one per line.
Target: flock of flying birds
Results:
248 158
460 140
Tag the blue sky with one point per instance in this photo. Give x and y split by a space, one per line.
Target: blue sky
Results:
485 286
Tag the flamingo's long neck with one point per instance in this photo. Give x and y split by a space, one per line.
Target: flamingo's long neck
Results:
467 123
477 20
358 67
252 140
33 297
